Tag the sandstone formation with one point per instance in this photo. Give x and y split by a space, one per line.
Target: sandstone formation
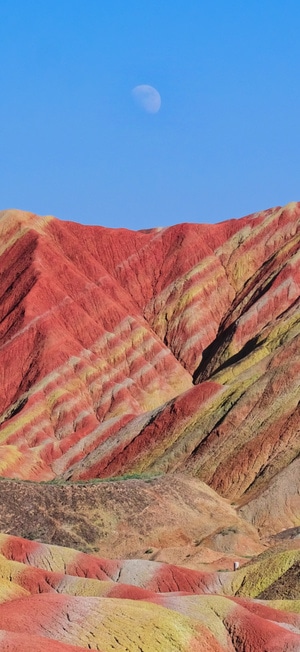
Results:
149 416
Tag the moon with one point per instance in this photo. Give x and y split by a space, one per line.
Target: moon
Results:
147 97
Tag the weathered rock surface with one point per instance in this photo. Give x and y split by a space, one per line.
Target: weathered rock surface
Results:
74 599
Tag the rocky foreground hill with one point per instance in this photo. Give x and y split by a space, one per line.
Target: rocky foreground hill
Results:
172 357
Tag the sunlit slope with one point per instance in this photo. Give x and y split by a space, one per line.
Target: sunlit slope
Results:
77 359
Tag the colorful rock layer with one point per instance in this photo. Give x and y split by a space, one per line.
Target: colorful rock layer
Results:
171 355
55 598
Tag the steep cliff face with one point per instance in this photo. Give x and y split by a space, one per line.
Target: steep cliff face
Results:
169 350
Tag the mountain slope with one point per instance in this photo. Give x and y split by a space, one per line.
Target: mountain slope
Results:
173 356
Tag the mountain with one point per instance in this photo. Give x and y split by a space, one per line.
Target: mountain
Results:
149 414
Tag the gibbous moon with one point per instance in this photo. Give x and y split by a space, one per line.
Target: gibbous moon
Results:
147 97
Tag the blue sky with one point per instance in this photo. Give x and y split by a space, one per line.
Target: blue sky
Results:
74 144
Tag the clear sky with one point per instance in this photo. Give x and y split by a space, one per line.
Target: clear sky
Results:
75 144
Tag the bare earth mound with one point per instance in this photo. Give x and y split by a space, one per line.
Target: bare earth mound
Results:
133 518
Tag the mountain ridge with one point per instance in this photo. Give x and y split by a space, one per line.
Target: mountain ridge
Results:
96 355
